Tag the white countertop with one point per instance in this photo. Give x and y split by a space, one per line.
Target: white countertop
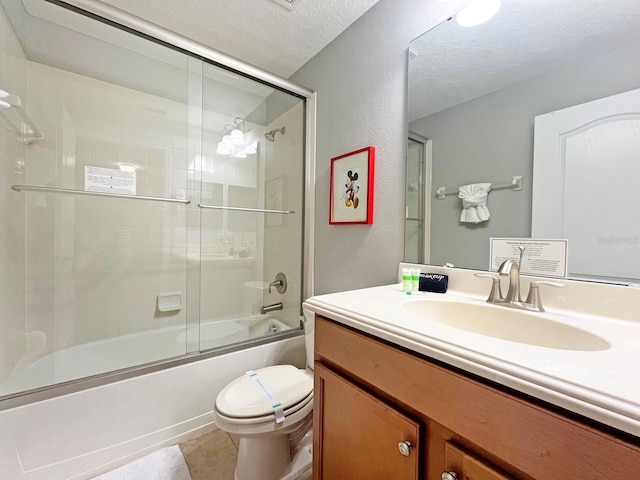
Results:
602 385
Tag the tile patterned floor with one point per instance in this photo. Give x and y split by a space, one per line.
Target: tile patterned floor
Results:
212 456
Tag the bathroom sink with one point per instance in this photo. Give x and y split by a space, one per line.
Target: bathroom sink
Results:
507 324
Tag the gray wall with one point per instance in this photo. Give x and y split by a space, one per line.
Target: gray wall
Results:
361 80
490 139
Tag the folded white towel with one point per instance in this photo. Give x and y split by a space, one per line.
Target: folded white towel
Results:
474 202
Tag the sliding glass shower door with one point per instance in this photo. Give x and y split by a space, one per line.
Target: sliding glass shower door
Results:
150 201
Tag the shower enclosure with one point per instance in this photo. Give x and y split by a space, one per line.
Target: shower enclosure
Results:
152 199
417 198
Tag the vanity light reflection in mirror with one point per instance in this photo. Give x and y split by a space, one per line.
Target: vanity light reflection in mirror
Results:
475 93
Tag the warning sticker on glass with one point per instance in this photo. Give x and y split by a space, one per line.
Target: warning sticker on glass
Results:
109 180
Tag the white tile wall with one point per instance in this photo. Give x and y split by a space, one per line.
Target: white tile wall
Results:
119 254
282 245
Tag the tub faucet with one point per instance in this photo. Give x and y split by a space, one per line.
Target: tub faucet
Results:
280 283
271 308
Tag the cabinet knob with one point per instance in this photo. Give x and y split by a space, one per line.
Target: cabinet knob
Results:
449 476
405 447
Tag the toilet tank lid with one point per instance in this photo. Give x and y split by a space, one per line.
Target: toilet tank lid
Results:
243 397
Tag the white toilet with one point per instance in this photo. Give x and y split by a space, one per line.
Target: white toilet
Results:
270 410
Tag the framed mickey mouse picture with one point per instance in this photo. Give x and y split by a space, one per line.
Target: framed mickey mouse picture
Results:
351 189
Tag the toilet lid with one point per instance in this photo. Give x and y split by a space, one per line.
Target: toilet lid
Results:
243 398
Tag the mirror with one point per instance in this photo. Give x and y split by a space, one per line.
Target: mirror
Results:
474 94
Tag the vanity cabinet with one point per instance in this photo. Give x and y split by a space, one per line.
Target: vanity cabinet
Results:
354 422
371 395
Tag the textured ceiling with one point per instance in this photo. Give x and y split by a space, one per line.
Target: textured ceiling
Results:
260 32
454 64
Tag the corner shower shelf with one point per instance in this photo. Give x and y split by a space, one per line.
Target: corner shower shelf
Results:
32 188
17 120
244 209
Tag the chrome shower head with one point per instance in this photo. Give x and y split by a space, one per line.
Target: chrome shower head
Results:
271 136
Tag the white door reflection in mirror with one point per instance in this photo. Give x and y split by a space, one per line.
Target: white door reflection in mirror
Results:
586 176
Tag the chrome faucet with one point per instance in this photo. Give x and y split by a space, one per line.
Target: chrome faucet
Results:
512 268
512 298
280 283
271 308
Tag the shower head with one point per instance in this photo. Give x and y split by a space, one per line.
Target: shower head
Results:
271 136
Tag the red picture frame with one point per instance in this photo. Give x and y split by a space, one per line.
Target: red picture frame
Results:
351 188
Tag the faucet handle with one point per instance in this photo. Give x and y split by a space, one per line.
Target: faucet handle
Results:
496 290
533 298
280 283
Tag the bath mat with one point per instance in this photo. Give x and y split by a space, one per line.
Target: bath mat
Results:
165 464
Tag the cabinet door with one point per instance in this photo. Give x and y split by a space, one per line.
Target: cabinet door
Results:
356 435
469 467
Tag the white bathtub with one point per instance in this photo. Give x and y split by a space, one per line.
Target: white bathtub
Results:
93 358
83 434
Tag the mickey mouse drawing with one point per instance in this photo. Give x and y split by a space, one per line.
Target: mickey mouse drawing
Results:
350 194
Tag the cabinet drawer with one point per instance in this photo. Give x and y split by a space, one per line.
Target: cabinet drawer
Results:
469 467
535 440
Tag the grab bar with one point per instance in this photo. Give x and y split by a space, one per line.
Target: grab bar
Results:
32 188
244 209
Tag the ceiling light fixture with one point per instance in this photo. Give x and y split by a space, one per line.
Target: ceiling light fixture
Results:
250 149
477 12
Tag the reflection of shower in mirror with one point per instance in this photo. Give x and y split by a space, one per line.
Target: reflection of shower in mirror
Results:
271 136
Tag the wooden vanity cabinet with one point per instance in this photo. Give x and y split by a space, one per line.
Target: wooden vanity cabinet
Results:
354 422
371 395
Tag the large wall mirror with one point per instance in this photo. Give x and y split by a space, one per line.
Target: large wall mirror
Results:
477 94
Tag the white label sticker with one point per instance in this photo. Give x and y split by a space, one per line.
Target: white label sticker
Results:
109 180
547 258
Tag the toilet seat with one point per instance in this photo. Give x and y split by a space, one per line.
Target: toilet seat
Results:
269 421
244 401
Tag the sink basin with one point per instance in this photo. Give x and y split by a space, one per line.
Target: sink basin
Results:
507 324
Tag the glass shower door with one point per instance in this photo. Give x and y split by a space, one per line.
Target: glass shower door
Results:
250 209
99 200
151 203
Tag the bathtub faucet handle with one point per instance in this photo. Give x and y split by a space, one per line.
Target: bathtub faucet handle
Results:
280 283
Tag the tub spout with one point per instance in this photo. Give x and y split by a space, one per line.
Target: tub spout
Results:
271 308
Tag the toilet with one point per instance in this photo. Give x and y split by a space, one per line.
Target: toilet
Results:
270 410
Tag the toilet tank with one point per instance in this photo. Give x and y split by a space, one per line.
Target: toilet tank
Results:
309 335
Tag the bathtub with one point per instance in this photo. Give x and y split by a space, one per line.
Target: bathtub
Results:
86 433
93 358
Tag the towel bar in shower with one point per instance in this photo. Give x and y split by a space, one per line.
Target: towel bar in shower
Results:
33 188
245 209
515 184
